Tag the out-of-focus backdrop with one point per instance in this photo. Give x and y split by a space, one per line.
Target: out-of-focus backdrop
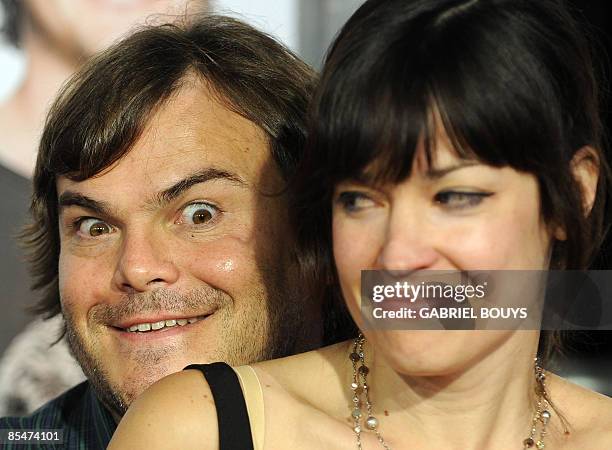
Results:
305 26
54 37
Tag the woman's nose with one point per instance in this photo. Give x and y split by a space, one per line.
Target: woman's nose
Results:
409 244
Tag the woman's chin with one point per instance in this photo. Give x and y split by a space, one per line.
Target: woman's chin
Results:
433 353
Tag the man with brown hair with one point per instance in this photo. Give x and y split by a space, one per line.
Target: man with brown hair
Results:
55 37
160 229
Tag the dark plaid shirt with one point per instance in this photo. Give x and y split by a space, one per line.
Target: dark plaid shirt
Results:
86 424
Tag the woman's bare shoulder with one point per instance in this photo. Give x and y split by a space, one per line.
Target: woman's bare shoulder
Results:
588 414
296 373
177 412
306 388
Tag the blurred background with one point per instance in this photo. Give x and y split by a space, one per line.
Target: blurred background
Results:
44 41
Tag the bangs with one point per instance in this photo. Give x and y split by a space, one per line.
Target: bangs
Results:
494 106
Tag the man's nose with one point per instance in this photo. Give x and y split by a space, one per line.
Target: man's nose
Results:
409 243
144 263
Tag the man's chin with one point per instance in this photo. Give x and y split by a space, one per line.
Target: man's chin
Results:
118 382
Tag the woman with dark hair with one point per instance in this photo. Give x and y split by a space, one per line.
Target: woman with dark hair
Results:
446 135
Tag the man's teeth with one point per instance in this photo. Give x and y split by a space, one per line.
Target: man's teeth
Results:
142 327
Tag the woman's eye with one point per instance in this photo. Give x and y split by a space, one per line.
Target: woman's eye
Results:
198 213
352 201
91 227
460 200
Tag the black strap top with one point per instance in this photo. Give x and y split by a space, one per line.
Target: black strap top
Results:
232 415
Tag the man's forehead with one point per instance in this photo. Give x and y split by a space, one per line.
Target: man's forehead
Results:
194 123
131 183
191 131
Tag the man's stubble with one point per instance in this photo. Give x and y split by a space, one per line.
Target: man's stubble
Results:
268 325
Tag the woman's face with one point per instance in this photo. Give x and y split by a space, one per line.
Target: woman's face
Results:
456 214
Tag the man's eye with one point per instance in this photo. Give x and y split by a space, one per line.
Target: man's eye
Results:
460 200
198 213
91 227
352 201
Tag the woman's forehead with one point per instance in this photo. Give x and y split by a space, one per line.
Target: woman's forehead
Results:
432 155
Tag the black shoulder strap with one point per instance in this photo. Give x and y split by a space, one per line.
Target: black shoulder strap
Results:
232 415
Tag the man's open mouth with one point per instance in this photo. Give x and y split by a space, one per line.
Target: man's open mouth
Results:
145 327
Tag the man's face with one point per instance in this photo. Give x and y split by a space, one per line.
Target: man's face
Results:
177 254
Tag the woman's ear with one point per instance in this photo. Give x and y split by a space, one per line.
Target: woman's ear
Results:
585 169
560 234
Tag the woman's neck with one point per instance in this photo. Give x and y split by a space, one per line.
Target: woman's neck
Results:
486 404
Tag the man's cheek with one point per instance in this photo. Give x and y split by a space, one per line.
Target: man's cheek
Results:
77 296
74 314
220 265
81 277
72 275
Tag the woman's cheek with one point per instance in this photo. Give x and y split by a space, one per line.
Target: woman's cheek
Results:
356 246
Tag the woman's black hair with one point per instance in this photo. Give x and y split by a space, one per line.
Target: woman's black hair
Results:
513 83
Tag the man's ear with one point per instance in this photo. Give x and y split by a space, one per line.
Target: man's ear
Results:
585 169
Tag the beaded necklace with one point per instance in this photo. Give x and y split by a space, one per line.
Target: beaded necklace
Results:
361 398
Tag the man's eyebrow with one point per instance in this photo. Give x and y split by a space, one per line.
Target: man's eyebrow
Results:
437 173
71 198
201 176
